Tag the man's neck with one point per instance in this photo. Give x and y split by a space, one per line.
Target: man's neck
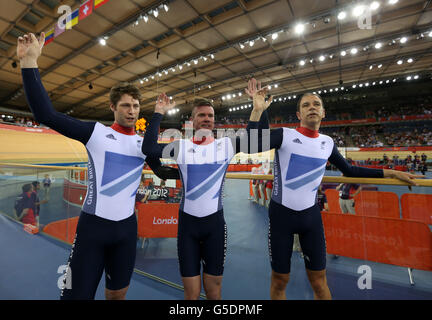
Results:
308 132
204 137
130 131
310 126
203 140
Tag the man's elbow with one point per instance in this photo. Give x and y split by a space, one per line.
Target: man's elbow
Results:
145 149
166 173
149 153
44 118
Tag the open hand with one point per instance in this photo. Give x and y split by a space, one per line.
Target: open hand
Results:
163 104
258 95
29 48
405 176
253 87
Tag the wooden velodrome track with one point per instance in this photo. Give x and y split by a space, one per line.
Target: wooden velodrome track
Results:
20 146
26 145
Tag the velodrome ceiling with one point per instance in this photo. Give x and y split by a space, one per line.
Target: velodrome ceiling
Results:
209 48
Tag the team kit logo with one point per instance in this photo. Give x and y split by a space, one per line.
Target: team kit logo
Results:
200 181
119 172
303 170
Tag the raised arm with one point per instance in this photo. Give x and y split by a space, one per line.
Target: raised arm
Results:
28 50
150 146
259 136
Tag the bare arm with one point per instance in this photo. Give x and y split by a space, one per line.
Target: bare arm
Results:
24 212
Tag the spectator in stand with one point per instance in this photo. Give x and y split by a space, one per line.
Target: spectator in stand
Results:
262 190
46 185
408 160
24 206
322 199
140 195
268 189
149 193
412 167
347 192
423 168
255 186
36 201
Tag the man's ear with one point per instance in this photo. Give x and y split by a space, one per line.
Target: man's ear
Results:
323 113
112 107
298 115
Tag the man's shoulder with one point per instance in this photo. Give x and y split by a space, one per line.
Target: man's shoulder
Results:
100 126
287 130
284 132
324 136
222 140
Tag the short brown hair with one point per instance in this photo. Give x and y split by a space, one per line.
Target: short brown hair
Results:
201 102
306 95
124 88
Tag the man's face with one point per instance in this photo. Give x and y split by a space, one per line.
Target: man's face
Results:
126 111
203 118
311 111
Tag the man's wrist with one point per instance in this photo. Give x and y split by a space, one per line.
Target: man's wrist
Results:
28 63
255 115
388 173
162 112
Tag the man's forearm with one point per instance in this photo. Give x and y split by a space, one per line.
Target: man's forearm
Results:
150 145
255 115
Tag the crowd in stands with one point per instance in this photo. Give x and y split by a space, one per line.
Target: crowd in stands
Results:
392 135
409 138
337 136
380 136
350 112
389 111
19 121
372 136
236 121
395 160
366 136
